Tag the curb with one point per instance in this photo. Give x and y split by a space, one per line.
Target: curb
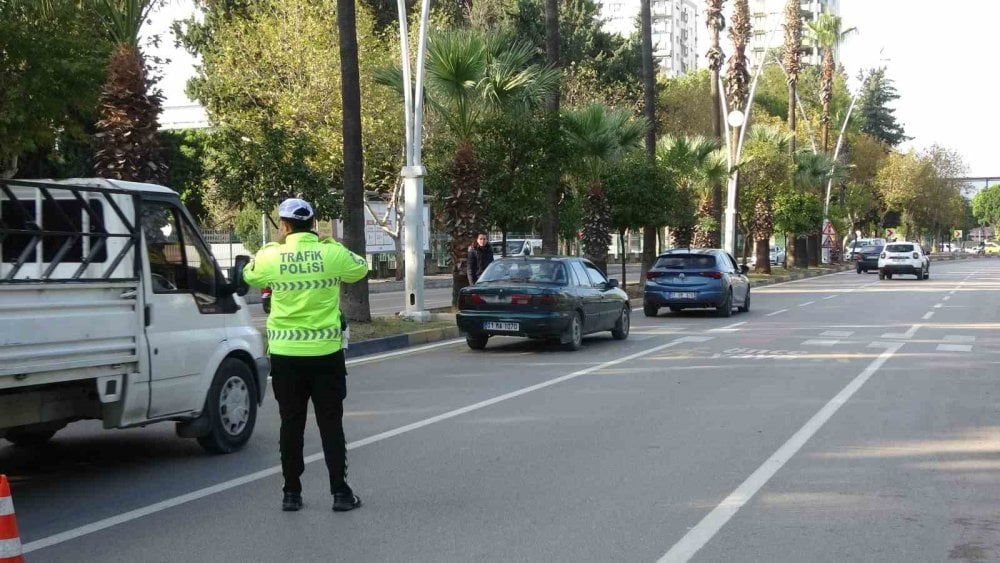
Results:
399 341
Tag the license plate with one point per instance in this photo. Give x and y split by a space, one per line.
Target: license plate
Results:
898 258
683 295
507 327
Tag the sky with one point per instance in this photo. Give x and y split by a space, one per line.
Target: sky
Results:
934 52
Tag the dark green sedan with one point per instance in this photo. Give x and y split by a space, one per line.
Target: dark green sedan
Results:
559 298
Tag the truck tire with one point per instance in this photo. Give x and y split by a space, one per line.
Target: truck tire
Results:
231 408
29 438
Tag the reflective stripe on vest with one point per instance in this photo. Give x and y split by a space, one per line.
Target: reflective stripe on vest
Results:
301 285
302 334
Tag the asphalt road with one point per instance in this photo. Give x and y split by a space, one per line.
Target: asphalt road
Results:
842 419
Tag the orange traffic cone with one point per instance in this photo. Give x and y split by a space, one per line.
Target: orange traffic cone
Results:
10 541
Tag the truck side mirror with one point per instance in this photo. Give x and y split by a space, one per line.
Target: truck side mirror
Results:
236 279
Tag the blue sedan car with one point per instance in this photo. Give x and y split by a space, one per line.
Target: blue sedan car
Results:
696 278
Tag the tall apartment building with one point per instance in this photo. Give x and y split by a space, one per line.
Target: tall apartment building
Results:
675 30
768 18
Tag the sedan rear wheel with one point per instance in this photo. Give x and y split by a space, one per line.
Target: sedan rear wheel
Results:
620 332
573 338
477 341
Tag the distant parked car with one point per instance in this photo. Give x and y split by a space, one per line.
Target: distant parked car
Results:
558 297
696 278
856 245
776 256
516 247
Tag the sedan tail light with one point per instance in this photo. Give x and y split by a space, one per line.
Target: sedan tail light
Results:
545 300
471 300
652 275
713 275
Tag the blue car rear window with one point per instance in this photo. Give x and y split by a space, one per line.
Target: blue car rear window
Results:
685 261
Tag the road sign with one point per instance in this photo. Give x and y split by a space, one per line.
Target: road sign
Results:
889 233
827 241
829 230
958 235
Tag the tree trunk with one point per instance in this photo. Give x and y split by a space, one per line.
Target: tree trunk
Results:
649 97
503 243
355 295
553 195
763 254
621 244
801 252
397 242
814 248
791 117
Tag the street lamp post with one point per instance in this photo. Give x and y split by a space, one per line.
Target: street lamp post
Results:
829 182
413 171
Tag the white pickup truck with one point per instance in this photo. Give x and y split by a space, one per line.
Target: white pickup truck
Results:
112 307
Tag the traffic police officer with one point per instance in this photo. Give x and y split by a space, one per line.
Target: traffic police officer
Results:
304 340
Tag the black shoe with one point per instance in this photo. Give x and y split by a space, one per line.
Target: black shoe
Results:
342 502
291 502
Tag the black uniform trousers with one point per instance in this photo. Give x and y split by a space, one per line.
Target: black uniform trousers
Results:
295 380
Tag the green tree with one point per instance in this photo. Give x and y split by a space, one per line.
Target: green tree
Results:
716 22
877 118
764 173
52 61
640 195
471 77
792 61
684 105
986 206
827 32
185 155
597 136
695 164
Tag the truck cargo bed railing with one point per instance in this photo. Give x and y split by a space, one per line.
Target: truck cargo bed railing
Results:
24 214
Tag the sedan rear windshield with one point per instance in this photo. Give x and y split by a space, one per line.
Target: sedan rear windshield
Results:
870 250
899 248
686 261
527 271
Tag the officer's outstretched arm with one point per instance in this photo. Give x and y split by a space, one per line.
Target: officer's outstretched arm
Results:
349 266
257 272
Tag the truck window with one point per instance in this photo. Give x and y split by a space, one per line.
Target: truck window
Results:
178 260
58 215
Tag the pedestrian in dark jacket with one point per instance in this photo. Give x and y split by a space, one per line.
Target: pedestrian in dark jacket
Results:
480 256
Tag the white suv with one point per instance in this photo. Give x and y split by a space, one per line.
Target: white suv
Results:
903 258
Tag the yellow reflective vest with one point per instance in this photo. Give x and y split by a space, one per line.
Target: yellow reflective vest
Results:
304 274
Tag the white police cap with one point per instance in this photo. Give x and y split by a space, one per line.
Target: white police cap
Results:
295 208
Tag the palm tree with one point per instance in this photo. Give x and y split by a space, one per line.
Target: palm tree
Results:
826 32
737 73
599 135
765 171
470 77
553 192
128 145
812 172
696 164
716 22
792 61
649 107
356 303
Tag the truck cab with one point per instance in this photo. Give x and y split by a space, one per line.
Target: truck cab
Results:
112 307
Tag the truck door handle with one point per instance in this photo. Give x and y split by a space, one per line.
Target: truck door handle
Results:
128 294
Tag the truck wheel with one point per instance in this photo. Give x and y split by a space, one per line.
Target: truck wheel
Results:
29 438
231 407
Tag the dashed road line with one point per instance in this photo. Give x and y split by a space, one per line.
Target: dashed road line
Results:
829 297
927 316
819 342
728 328
806 303
776 313
937 305
953 338
954 348
838 333
904 335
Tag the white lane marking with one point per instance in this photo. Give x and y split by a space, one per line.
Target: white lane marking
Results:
937 305
404 351
953 338
728 328
276 470
952 292
702 533
946 297
838 333
927 316
818 342
905 335
776 313
878 344
829 297
954 348
10 548
806 303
